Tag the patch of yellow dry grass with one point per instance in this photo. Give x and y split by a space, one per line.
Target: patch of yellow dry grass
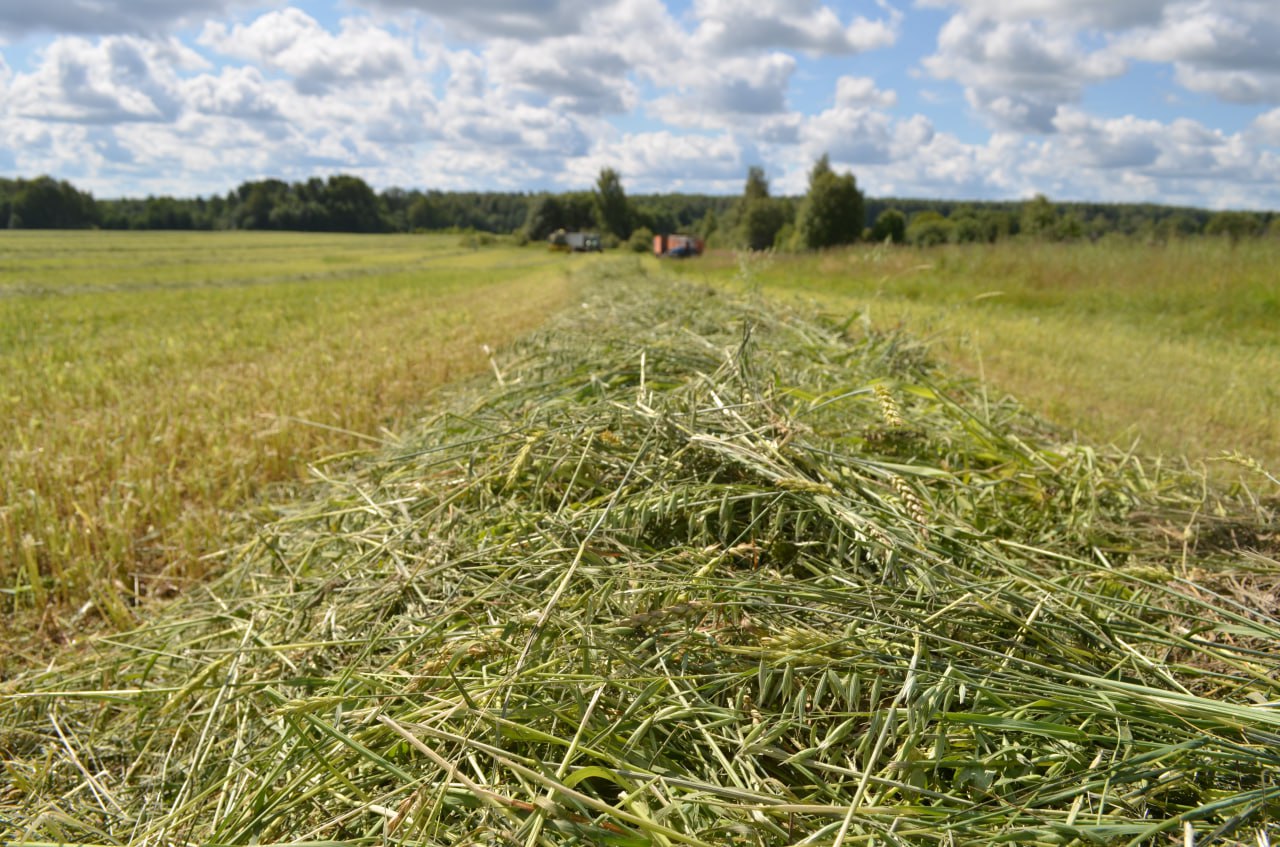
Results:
155 383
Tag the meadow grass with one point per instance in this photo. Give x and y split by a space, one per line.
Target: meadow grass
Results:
1172 346
697 570
154 383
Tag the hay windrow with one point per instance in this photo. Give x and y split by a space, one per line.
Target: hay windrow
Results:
700 570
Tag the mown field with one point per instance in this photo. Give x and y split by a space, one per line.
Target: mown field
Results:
697 570
1171 347
152 384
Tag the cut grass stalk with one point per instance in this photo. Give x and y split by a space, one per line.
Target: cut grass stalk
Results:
678 582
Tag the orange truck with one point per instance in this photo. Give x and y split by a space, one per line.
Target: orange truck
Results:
677 246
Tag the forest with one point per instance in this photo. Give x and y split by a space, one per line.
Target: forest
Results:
754 219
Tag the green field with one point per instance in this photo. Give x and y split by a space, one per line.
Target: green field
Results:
698 570
152 384
1172 347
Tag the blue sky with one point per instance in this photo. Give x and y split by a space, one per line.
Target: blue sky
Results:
1167 101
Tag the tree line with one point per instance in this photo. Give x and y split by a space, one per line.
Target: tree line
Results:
833 211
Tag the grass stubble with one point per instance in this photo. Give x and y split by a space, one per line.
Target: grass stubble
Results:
690 568
154 384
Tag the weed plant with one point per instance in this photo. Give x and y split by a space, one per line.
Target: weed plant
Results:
693 569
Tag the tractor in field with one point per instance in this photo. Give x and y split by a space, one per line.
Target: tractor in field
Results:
575 242
677 246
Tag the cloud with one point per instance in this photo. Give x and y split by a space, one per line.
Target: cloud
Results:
854 91
1226 49
733 27
293 42
529 20
586 76
236 92
597 70
856 135
104 17
1017 74
117 79
1267 127
1097 14
663 161
511 95
1109 144
744 92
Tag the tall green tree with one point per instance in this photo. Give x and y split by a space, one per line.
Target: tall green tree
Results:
757 187
757 216
546 215
832 212
1039 217
612 208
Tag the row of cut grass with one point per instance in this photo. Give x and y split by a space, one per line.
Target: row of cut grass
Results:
1172 345
155 382
698 571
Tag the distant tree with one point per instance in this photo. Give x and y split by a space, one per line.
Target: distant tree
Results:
1069 227
1233 225
1039 217
655 217
832 211
348 204
257 201
579 209
1096 227
997 224
757 216
967 228
757 187
612 209
760 220
46 203
891 225
786 241
641 240
545 217
929 229
166 213
709 226
1178 225
424 214
1273 228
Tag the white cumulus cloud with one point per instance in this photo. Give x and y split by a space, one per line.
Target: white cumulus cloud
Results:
292 41
1100 14
1226 49
116 79
523 19
105 17
1017 74
663 161
737 26
862 91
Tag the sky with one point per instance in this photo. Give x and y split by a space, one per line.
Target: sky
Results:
1164 101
